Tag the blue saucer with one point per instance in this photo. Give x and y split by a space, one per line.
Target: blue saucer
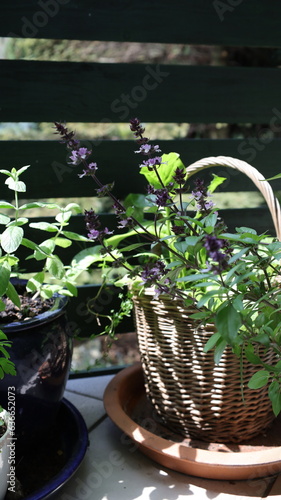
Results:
71 438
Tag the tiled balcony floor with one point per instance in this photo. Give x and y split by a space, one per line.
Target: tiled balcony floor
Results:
114 469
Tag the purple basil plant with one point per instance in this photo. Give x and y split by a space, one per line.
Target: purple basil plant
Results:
174 241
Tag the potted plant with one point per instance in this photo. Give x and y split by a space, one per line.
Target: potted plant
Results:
6 428
206 300
33 308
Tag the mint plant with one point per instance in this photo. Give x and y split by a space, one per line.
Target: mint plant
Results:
54 276
182 248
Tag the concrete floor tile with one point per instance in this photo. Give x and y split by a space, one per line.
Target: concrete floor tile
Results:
92 410
114 469
90 386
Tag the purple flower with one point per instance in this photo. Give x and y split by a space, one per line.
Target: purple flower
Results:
148 149
127 222
200 194
95 234
213 246
179 176
153 272
104 190
93 225
91 219
90 170
119 209
164 289
178 229
136 127
152 162
162 196
67 137
77 156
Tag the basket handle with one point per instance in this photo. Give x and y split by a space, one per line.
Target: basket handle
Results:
264 187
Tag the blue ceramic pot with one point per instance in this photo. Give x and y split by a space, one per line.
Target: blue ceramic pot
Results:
41 350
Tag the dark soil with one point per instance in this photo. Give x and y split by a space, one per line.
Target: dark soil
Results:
31 305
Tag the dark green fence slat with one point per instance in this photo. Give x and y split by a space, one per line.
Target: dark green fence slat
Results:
37 91
50 176
83 323
232 22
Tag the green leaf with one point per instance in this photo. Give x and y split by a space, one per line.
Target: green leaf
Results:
272 178
262 339
63 217
3 336
11 259
134 246
11 239
19 222
13 294
196 277
135 205
28 244
6 172
44 226
212 341
244 237
181 246
251 356
55 266
6 367
4 219
192 240
238 303
216 182
22 169
62 242
219 350
210 221
117 238
245 230
259 379
73 206
35 282
208 284
228 322
39 204
5 204
71 288
199 315
166 170
238 255
44 249
278 365
206 297
5 272
74 236
274 394
14 185
47 293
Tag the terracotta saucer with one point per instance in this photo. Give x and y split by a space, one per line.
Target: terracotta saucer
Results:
127 406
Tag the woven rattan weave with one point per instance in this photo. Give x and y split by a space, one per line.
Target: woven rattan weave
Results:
190 393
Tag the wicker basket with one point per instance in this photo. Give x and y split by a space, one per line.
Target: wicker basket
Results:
191 394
